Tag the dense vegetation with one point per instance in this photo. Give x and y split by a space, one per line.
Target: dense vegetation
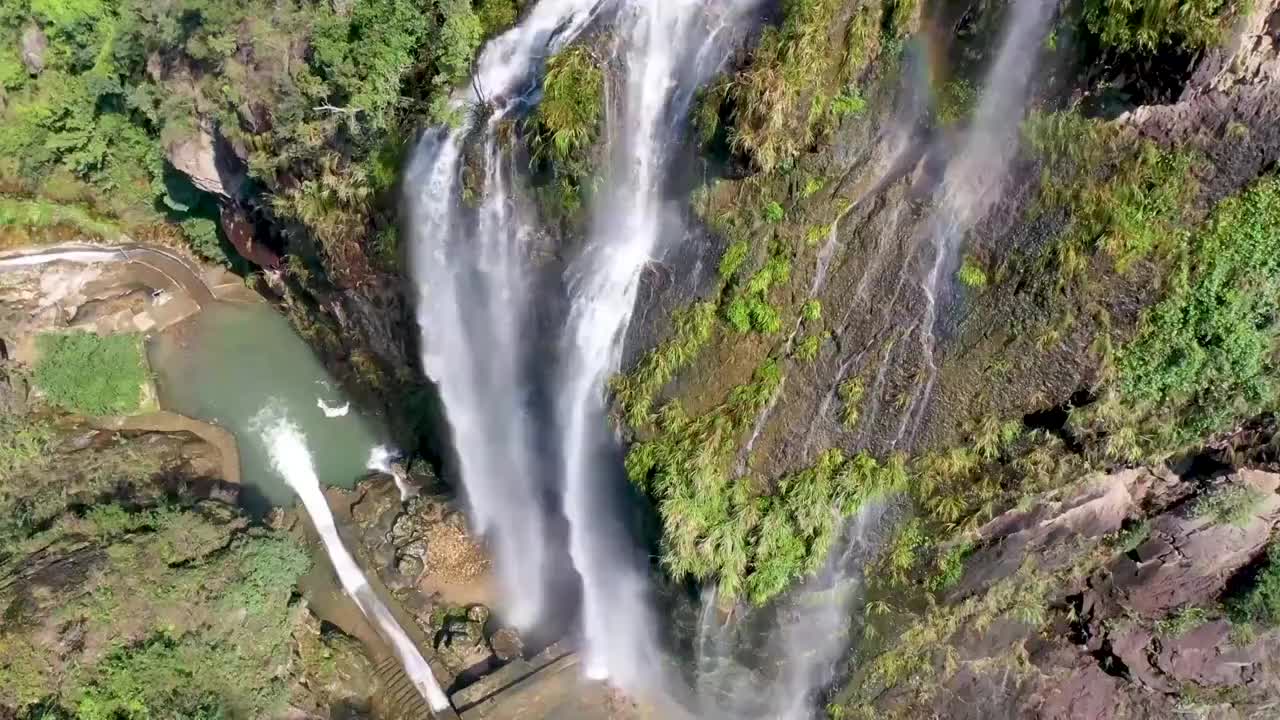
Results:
92 374
187 618
313 101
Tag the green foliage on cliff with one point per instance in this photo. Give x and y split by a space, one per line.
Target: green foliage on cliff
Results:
37 483
568 121
300 89
175 613
802 77
496 15
1145 27
92 374
1205 356
748 307
752 539
1259 602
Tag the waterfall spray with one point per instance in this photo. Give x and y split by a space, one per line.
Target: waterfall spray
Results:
796 643
668 48
292 460
472 293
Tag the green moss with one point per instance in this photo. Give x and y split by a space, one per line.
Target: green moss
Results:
92 374
811 311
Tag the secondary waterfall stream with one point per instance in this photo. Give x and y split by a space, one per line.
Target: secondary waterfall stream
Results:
292 460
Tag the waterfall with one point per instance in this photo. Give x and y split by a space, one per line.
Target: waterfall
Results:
292 460
668 47
472 295
974 180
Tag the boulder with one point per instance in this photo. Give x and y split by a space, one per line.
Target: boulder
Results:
34 43
1098 508
204 157
1190 555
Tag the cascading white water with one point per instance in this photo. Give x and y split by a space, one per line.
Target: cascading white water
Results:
668 47
380 458
291 458
472 293
973 182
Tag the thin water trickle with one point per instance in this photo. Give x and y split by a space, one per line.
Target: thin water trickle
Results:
972 183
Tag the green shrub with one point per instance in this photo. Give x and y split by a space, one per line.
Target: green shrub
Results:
1183 621
496 15
567 121
1205 355
635 392
956 101
850 393
734 256
24 440
971 275
203 234
802 77
807 349
1230 505
92 374
1260 603
774 213
1145 27
849 103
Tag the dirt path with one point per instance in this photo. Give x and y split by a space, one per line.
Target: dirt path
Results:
181 276
163 421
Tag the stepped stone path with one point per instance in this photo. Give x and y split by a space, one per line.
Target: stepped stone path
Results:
398 699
